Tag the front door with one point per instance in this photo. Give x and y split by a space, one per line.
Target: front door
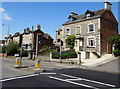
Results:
81 45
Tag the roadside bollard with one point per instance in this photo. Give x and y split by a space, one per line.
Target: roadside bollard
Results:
17 61
37 63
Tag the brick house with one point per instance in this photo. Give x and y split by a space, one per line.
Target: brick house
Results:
92 29
43 40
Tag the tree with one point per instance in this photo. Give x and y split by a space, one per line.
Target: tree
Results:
12 48
116 41
3 49
70 41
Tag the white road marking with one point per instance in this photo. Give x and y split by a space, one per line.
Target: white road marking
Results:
72 82
18 77
88 80
73 79
69 76
47 73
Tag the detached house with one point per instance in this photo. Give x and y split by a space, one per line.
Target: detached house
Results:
92 29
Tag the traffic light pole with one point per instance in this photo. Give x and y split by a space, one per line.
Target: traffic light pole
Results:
21 55
60 52
36 50
36 46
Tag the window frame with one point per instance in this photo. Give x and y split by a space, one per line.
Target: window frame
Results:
58 40
89 28
89 42
58 32
66 32
76 30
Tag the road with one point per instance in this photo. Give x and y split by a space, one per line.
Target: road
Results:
70 77
57 75
8 69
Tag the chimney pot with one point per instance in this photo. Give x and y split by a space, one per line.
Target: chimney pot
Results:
107 5
38 27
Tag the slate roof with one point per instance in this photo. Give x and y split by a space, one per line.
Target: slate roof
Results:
47 36
98 13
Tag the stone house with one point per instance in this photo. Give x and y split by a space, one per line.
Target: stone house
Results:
8 39
92 29
17 38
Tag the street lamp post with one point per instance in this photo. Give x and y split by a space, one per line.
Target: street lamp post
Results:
7 35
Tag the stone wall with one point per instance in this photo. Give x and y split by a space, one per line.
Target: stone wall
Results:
16 39
27 39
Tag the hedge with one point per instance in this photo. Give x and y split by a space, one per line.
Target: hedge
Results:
64 55
116 52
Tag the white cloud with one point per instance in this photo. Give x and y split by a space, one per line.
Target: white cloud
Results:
2 10
4 16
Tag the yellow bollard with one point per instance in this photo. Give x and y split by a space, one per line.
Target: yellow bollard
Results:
17 61
37 63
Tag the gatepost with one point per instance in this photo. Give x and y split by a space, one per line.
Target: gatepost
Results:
79 58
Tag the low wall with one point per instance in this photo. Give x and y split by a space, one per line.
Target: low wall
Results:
2 54
71 60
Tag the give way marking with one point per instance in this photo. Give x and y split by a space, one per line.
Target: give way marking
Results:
77 79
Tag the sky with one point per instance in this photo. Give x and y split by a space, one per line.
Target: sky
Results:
50 15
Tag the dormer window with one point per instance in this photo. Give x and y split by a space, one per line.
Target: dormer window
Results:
71 19
88 15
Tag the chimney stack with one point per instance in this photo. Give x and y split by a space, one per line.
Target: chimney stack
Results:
73 13
107 5
38 27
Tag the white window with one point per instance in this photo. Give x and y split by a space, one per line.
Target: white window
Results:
91 42
76 43
81 43
91 28
67 32
71 19
88 15
77 30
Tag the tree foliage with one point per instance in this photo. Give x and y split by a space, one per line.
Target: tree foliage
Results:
12 48
116 41
70 41
3 49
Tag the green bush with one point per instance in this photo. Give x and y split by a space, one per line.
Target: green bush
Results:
44 47
47 52
64 55
12 48
56 56
24 53
116 52
4 49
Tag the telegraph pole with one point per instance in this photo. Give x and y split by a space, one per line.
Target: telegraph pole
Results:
7 34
